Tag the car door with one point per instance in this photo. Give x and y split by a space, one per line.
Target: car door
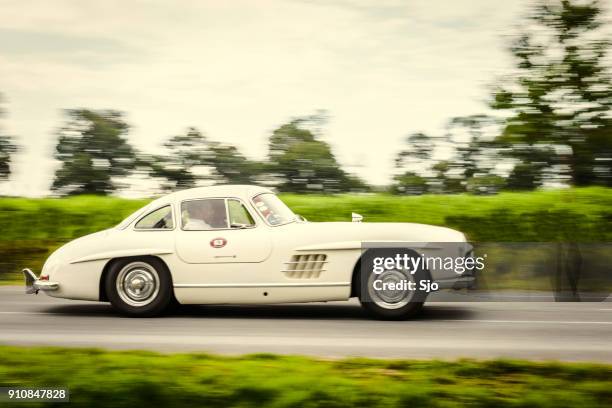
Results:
221 230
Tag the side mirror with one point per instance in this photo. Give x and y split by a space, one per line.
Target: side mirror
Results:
300 218
356 217
238 225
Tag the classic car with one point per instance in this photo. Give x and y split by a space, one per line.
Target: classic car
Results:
233 244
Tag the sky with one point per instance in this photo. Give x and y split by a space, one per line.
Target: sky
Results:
238 69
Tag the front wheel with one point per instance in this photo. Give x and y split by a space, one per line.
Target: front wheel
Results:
390 301
139 287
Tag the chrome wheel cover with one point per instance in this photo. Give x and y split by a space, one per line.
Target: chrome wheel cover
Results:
390 299
137 284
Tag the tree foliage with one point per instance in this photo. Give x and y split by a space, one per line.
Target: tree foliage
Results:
468 167
297 161
304 163
184 155
560 99
93 151
192 158
232 167
7 149
556 125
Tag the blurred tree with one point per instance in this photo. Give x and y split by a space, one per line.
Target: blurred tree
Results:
287 135
444 181
475 154
409 183
559 102
192 157
420 147
7 149
303 163
185 155
485 184
412 164
469 167
233 167
93 150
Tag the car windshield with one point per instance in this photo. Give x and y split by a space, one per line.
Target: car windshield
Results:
273 210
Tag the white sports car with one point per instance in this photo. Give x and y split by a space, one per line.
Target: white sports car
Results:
235 244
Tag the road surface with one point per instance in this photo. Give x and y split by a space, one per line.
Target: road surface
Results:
532 330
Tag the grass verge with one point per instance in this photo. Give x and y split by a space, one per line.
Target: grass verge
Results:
11 282
99 378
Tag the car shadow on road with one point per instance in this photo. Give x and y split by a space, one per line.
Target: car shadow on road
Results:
287 311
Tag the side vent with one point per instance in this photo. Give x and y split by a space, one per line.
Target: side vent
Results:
305 266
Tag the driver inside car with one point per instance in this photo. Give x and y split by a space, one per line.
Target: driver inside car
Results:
205 215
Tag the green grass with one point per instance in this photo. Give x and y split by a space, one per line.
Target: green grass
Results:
136 378
60 219
583 214
11 282
32 228
433 209
54 219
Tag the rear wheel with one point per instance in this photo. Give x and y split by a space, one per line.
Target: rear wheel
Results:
139 287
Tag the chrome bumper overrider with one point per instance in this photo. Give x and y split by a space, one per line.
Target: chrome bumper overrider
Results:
33 284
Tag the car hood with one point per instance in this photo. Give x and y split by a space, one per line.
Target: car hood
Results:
335 232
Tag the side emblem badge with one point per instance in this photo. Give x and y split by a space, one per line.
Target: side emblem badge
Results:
218 242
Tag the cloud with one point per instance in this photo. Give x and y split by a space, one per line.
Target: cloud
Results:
50 46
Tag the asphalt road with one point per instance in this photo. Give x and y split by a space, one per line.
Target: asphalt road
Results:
533 330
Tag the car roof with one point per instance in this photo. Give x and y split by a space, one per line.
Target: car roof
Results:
245 192
218 191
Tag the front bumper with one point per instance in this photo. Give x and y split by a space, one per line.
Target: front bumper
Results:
465 282
34 284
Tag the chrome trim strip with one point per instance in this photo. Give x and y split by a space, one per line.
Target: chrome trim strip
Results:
261 285
123 253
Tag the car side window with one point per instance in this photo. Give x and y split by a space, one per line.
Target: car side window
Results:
239 215
158 219
203 215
